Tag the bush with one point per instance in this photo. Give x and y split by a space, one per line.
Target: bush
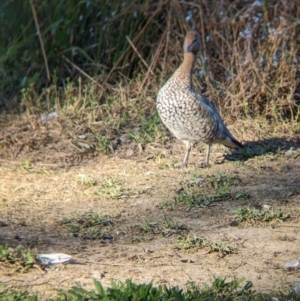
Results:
249 63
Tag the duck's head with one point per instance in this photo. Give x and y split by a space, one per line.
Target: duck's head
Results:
192 42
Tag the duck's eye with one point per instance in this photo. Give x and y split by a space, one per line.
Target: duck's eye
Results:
195 40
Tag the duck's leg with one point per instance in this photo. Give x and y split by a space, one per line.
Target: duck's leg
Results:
205 163
188 146
187 153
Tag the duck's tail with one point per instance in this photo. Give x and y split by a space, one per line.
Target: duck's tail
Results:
231 142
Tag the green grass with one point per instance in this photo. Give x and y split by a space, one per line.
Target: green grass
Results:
29 167
86 181
192 244
88 225
219 290
166 228
18 259
253 215
223 181
193 193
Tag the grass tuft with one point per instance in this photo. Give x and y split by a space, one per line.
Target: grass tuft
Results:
253 215
88 225
192 244
18 259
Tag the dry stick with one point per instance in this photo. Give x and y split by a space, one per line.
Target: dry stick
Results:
40 38
14 132
139 55
154 60
82 72
134 40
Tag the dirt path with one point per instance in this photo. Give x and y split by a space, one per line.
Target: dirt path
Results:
152 221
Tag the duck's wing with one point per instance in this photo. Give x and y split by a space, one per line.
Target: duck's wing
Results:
227 138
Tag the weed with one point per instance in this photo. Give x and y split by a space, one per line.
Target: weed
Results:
251 214
112 188
110 181
188 243
196 199
224 181
221 248
88 225
86 181
15 295
166 228
114 192
18 259
221 286
219 290
148 130
189 199
168 224
31 168
191 193
136 239
147 227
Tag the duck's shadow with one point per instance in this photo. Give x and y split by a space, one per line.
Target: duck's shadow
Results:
263 147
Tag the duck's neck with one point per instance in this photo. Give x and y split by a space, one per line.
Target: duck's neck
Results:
186 68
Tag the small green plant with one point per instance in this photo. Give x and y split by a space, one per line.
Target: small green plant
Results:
196 199
88 225
86 181
19 259
251 214
112 188
221 286
191 244
14 295
148 130
31 168
165 228
147 227
221 248
168 224
189 199
224 181
111 181
219 290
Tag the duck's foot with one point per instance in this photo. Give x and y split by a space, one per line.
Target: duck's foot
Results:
204 164
181 165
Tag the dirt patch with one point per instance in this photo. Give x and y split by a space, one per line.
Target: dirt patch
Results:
153 219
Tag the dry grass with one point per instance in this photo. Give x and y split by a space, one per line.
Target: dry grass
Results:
249 63
248 66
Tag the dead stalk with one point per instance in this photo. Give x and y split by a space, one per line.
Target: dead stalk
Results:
41 39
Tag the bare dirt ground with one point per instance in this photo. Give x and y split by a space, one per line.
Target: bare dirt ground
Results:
147 238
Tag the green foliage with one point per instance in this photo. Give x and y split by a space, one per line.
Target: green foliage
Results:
129 291
252 214
14 295
191 244
18 259
165 228
128 40
192 195
219 290
88 225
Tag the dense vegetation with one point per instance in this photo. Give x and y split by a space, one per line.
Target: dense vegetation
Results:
249 63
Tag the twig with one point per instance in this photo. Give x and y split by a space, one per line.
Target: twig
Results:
154 60
14 132
82 72
40 38
139 55
134 40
